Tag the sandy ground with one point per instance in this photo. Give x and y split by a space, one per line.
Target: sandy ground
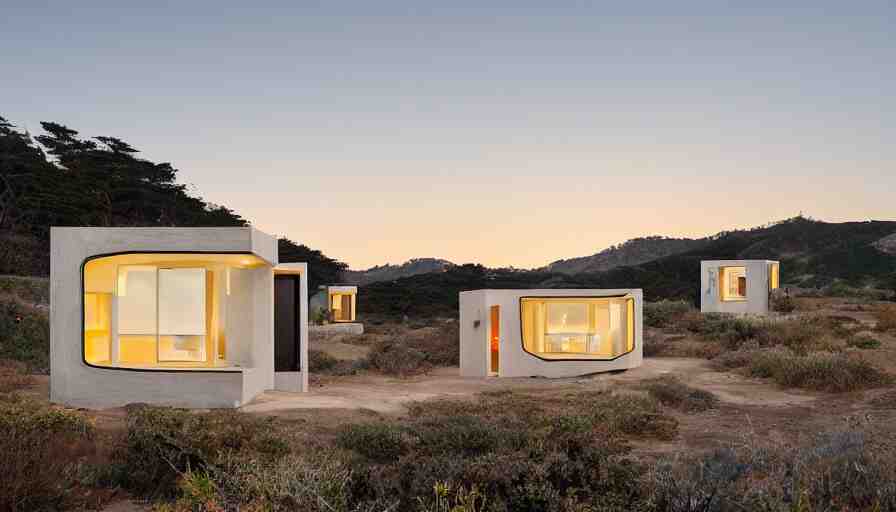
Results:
391 395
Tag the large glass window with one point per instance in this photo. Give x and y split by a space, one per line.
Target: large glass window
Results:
342 306
733 283
577 327
160 310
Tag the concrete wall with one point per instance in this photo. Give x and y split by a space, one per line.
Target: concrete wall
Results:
473 330
74 383
513 360
757 275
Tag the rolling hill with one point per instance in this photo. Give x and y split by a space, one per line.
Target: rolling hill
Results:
812 254
632 252
389 272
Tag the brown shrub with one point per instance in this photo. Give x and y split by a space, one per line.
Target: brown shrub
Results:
673 393
404 352
886 317
13 376
41 446
822 371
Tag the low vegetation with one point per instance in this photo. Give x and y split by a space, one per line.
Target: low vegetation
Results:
811 351
671 392
24 334
886 317
399 349
665 313
42 449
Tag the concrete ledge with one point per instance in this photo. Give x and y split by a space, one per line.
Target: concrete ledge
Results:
337 328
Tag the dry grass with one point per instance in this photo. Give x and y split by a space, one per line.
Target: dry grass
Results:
13 376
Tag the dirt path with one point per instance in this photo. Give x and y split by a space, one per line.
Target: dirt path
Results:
391 395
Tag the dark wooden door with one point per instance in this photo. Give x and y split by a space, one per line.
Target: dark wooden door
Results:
286 323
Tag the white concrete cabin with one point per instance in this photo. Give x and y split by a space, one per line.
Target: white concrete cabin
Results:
550 332
737 286
187 317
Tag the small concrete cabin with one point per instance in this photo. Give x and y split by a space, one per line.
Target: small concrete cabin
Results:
549 332
737 286
188 317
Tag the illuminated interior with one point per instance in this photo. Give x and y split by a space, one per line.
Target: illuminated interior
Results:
774 270
733 283
494 338
342 306
162 310
578 327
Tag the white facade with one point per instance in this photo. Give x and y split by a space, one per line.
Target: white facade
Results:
169 316
493 324
737 286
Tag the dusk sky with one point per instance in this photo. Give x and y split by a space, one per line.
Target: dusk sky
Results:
504 133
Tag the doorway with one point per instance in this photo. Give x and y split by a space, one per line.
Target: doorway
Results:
494 338
286 323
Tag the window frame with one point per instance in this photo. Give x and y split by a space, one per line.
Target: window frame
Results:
129 369
634 324
723 284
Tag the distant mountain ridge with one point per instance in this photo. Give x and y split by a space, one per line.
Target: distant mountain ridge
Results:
812 254
631 252
389 272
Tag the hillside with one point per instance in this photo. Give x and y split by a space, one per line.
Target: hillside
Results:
60 178
390 272
632 252
812 254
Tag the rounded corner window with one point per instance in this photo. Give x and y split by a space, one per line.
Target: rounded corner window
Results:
578 328
159 311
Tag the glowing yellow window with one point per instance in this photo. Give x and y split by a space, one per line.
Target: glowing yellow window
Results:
160 310
774 270
577 327
733 283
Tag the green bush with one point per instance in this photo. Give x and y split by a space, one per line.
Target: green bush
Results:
24 334
665 313
673 393
41 447
863 341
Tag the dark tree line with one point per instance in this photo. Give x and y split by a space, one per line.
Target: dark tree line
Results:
60 178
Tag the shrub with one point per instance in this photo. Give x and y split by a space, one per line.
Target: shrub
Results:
41 446
31 290
396 358
163 443
313 482
823 371
13 376
24 334
673 393
665 312
886 318
782 303
320 361
836 471
380 442
863 341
